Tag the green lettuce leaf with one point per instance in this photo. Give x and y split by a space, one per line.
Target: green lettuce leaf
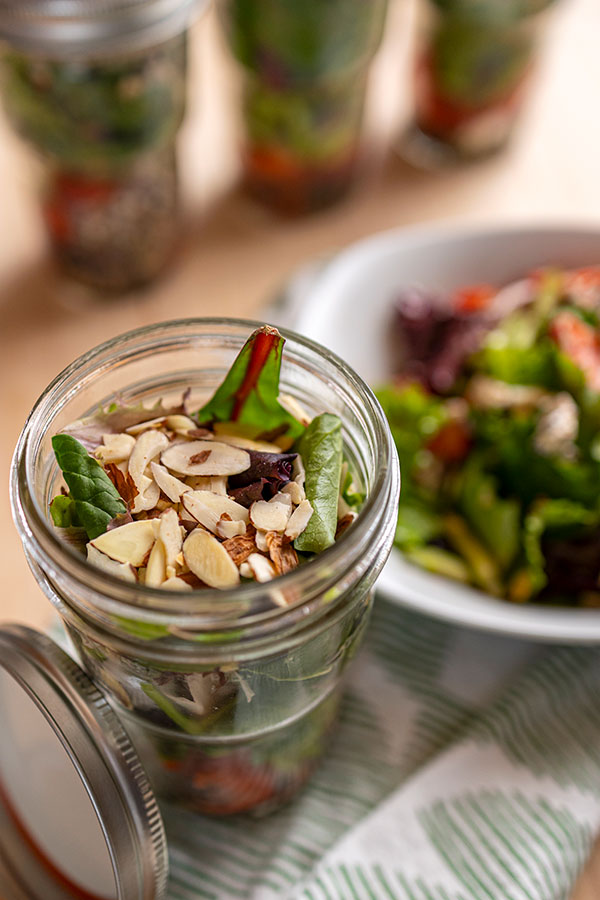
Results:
250 391
96 500
321 450
495 521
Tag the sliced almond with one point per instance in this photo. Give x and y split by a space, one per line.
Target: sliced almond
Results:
168 484
343 523
147 447
217 484
227 528
246 571
269 515
147 500
294 491
205 458
261 541
283 556
295 409
180 424
156 569
298 472
176 584
209 560
299 520
248 444
284 499
149 425
116 448
169 533
240 548
261 567
129 543
207 508
122 570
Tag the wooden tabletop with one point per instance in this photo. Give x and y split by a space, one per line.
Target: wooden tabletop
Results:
235 256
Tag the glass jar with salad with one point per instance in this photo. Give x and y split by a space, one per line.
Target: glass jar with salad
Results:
212 559
471 77
98 90
305 68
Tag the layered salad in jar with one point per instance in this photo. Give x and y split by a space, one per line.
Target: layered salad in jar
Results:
247 488
105 128
305 66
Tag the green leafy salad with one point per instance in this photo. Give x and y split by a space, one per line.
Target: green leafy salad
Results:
245 488
495 411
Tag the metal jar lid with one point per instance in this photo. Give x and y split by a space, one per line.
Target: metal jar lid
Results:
78 819
89 27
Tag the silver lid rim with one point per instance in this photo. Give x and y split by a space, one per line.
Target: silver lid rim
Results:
102 752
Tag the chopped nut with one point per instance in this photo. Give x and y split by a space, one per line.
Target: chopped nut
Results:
261 541
283 555
217 484
180 424
291 405
240 547
247 444
245 570
270 515
227 528
298 472
117 448
156 569
344 523
123 482
207 508
295 491
147 447
209 560
148 425
122 570
169 532
200 433
168 484
223 459
261 567
174 583
299 520
129 543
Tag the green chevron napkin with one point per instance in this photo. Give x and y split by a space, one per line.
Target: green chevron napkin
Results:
465 767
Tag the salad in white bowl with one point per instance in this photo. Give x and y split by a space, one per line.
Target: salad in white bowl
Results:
485 350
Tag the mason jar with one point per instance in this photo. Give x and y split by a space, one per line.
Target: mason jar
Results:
229 696
99 90
305 67
472 74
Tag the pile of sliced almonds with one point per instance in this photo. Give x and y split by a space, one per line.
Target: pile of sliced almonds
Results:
185 530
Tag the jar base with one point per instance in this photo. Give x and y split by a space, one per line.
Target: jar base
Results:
430 152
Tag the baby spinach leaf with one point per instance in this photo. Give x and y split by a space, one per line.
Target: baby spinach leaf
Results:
321 449
95 498
249 394
63 512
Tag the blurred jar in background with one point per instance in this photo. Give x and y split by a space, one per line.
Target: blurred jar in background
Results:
98 89
305 67
471 77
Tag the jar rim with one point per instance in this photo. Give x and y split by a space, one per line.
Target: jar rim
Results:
143 603
85 27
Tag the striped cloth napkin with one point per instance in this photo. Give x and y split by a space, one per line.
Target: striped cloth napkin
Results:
465 767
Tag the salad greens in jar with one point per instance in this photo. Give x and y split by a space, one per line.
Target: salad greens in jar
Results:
103 119
305 68
495 412
472 71
246 488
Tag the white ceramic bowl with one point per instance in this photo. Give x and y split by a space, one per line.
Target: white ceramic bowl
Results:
348 310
